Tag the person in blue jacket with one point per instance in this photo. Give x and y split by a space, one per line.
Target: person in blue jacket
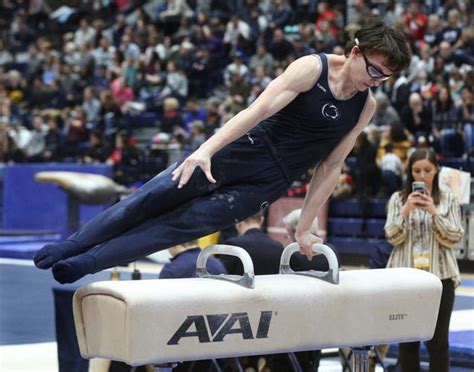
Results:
183 262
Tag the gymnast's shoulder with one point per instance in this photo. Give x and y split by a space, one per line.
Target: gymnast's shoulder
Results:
303 72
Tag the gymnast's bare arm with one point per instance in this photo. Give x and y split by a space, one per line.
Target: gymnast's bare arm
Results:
324 181
299 77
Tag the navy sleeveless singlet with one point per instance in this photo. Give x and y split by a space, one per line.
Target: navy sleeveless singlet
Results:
306 130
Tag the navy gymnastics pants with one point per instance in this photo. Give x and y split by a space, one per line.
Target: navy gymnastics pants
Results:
249 176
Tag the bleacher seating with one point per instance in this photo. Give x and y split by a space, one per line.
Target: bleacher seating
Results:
352 208
352 232
354 227
145 120
466 165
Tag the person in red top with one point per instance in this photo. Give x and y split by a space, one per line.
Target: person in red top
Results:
121 91
416 21
327 14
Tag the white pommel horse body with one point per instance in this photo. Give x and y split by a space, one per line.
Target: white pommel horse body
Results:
164 321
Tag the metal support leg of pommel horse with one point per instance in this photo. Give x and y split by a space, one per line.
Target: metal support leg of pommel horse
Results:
164 367
360 362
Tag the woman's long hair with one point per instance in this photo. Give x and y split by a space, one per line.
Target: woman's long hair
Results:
441 106
421 154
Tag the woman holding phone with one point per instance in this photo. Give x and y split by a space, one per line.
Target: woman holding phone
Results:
423 224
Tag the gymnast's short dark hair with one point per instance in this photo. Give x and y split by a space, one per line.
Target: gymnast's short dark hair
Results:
377 38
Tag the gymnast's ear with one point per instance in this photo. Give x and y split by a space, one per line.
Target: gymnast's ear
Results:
355 51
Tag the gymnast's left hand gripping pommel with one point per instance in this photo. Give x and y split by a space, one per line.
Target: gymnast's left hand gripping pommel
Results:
247 280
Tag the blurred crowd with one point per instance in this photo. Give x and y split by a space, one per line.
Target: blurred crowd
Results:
139 84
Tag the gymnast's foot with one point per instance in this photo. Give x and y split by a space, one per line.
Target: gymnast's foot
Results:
52 253
73 268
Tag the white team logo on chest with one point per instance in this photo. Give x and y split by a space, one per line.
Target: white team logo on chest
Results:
330 111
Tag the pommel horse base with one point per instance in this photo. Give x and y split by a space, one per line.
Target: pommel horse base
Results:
165 321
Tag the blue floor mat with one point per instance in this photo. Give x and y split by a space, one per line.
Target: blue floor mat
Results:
27 303
24 250
28 238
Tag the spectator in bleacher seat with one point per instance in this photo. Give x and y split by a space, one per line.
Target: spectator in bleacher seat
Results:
183 56
85 33
255 91
399 137
328 15
446 124
423 63
366 173
91 106
301 47
170 14
36 143
109 114
239 88
466 116
423 85
95 151
121 91
130 50
259 78
125 158
415 20
200 71
53 141
325 39
104 54
453 58
21 36
237 67
345 185
305 10
130 72
423 227
15 85
253 14
172 119
213 120
280 14
193 111
176 84
417 116
280 48
452 31
465 13
236 28
75 129
197 134
432 33
385 114
391 169
262 59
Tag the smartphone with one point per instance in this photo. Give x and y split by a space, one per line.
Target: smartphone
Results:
418 186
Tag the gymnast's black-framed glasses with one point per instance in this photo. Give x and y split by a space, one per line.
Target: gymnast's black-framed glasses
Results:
373 71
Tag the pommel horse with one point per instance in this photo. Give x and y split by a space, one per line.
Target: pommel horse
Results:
164 321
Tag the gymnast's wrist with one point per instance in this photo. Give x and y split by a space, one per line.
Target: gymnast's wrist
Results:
299 231
206 150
